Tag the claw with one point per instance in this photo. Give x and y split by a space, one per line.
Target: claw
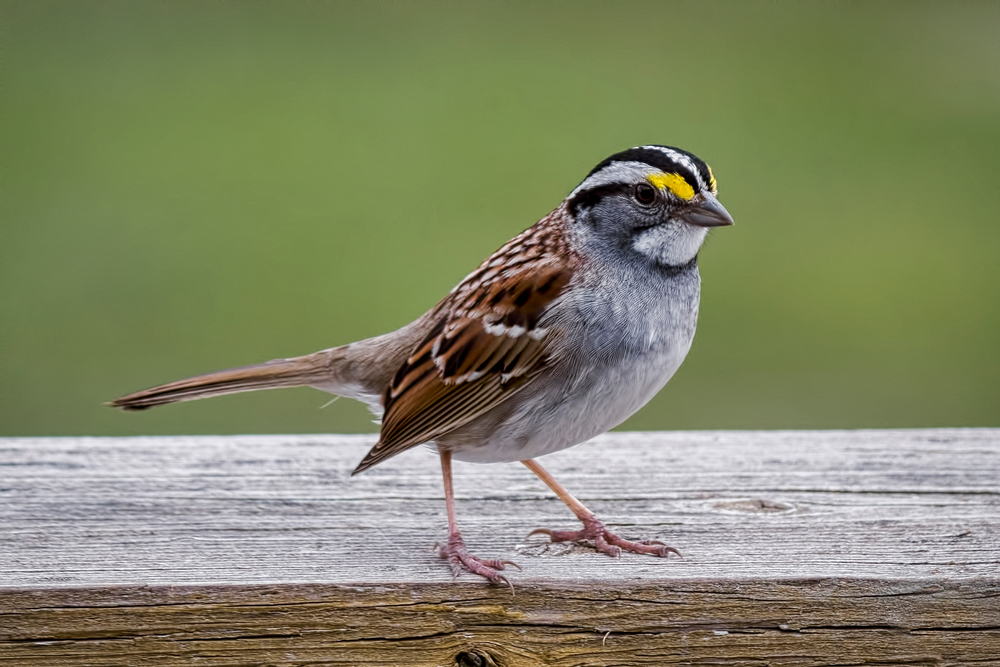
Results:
539 531
602 544
605 541
460 559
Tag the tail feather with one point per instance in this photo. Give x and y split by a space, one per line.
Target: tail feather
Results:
308 370
361 370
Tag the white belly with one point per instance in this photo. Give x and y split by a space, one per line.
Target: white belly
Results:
617 396
545 422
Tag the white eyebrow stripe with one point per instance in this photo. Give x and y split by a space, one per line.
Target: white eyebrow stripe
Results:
684 160
616 172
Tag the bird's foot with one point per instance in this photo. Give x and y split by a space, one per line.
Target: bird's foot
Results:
606 541
460 559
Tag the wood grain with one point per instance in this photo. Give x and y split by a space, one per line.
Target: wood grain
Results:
800 548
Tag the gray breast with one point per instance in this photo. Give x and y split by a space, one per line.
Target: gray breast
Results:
624 340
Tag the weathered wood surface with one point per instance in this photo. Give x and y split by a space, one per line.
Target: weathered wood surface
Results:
800 548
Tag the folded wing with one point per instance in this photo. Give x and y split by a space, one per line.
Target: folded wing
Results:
486 346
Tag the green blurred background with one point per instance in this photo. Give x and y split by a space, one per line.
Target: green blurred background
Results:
187 187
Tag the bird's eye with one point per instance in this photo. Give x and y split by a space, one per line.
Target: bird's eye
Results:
645 194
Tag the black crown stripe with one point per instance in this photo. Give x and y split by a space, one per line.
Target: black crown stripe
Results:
662 161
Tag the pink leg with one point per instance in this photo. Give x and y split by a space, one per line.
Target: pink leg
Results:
455 552
593 529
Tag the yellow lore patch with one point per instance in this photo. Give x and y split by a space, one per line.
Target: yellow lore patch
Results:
673 182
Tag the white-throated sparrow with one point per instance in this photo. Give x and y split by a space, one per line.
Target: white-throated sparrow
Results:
560 335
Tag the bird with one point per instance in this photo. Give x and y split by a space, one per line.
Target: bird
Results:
560 335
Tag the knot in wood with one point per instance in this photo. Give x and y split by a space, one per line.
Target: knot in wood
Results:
475 658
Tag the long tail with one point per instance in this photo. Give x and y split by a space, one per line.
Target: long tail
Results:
312 369
361 370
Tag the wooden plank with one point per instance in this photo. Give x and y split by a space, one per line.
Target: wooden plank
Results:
804 548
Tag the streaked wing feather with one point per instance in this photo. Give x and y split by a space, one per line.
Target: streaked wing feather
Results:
486 347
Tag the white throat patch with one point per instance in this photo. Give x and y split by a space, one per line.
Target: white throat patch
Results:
672 244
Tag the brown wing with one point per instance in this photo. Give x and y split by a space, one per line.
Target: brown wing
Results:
487 345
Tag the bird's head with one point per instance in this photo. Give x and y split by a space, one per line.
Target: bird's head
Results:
656 202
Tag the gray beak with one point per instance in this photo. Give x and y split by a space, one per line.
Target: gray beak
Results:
706 211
